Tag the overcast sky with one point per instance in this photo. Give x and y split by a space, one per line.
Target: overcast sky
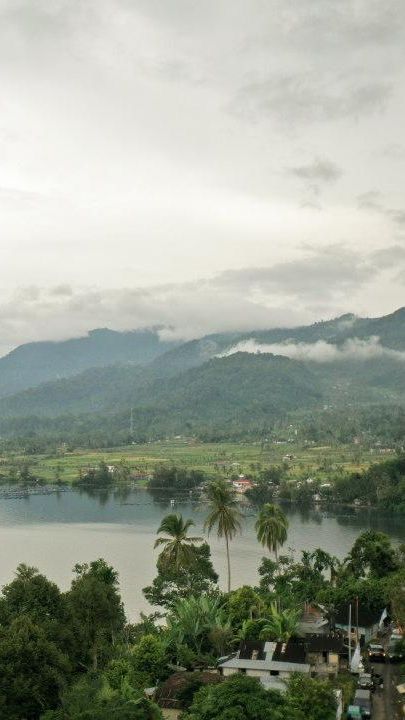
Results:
201 164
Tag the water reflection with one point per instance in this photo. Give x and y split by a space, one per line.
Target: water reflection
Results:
54 528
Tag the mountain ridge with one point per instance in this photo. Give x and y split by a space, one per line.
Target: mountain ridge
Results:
192 385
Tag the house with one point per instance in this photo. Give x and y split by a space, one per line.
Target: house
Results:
242 484
313 621
326 654
264 660
368 623
274 662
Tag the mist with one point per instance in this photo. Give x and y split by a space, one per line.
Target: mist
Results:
321 351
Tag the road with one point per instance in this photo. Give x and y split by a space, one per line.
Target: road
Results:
385 699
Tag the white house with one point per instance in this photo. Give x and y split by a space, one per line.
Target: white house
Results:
266 659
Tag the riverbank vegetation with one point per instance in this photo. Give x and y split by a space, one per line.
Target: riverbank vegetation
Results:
303 475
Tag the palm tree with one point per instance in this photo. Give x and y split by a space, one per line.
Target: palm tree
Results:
224 514
271 527
179 548
281 624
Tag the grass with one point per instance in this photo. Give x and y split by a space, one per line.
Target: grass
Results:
214 459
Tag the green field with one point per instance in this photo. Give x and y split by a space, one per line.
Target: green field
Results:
215 459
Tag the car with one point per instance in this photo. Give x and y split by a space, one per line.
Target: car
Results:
365 681
376 652
396 647
362 699
354 712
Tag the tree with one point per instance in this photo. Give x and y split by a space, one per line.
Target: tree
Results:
244 604
238 698
33 670
179 549
370 592
373 554
96 611
122 471
281 624
200 623
93 698
172 478
322 561
149 656
172 583
309 699
224 514
32 594
271 527
395 592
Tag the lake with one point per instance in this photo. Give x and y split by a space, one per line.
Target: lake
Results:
53 531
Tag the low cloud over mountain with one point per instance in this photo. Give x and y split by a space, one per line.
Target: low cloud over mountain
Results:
321 351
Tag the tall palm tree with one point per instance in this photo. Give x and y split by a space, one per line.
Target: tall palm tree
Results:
224 515
179 550
271 527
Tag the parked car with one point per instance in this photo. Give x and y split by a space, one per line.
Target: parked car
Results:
353 712
365 681
376 652
396 651
362 699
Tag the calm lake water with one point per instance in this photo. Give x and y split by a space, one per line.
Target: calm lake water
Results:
55 531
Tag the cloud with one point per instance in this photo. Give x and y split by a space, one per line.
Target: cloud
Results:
321 169
321 351
311 97
374 200
390 257
327 273
317 284
145 172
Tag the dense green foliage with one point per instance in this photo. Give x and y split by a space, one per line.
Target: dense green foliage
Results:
172 583
243 698
71 655
173 478
197 389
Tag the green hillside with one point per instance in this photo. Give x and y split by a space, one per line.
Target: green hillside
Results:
35 363
195 389
257 385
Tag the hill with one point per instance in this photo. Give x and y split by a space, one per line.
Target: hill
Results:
206 387
390 330
254 385
34 363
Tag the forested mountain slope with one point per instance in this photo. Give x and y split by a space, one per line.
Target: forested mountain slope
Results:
206 383
34 363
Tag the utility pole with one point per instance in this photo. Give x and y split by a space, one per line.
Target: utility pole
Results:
350 634
131 423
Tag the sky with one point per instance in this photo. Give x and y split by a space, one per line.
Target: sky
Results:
201 166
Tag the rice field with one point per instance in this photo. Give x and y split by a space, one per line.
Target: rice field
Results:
214 459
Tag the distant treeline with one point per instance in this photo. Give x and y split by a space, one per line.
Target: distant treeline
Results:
384 424
382 485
